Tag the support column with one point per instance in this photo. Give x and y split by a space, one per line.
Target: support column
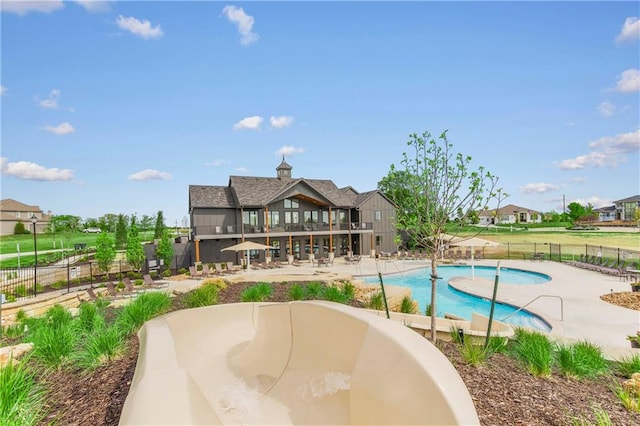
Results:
197 251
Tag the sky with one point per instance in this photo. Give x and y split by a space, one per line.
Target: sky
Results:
117 107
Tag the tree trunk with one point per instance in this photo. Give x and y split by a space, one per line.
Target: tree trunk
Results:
434 281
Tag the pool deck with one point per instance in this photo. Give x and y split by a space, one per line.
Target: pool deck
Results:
582 316
574 310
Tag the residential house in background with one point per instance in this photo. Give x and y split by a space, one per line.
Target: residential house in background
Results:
626 208
606 214
509 214
295 216
12 212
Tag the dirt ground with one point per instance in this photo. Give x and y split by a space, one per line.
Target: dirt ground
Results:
503 392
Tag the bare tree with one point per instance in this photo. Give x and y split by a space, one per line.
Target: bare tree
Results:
432 188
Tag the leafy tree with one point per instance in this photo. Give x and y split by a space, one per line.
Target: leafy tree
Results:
64 225
105 252
146 222
165 248
433 187
19 229
135 251
108 222
576 211
159 229
121 232
91 222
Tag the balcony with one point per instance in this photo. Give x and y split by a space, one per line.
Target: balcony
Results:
234 231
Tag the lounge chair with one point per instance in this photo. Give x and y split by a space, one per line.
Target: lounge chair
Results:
193 272
233 268
129 287
151 283
206 271
113 291
220 271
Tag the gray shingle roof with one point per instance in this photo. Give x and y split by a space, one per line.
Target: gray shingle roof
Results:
209 196
250 191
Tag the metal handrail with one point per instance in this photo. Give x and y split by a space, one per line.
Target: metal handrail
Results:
533 300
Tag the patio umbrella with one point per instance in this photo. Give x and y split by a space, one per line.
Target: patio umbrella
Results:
246 246
469 242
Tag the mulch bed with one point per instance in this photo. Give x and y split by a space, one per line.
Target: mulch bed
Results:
503 392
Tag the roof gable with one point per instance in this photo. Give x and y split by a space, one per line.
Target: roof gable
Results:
11 205
209 196
633 199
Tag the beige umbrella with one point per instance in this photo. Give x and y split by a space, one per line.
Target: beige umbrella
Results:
469 242
246 246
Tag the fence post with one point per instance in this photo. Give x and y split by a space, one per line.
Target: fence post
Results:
508 252
68 277
91 274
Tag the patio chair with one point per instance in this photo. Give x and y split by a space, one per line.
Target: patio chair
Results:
206 271
128 285
193 272
220 271
233 268
151 283
113 291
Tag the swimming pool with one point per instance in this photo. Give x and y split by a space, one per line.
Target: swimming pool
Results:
451 301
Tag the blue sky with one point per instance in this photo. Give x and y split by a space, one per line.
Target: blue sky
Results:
117 107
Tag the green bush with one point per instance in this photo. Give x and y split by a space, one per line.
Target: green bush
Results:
534 350
257 293
376 301
334 294
104 344
408 306
205 295
138 282
142 309
20 290
21 397
627 365
581 359
296 292
183 271
313 290
166 273
58 284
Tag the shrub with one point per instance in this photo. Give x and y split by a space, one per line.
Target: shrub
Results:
89 317
257 293
20 290
120 285
183 271
205 295
581 359
408 306
428 309
166 273
21 398
474 353
13 331
58 284
376 301
54 344
105 344
141 310
138 282
219 283
313 290
534 351
333 294
296 292
627 365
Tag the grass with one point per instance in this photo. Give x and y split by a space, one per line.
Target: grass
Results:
601 418
408 306
581 359
627 365
21 398
376 301
104 344
534 350
296 292
205 295
142 309
257 293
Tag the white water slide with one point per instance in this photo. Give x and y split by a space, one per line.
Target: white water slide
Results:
291 363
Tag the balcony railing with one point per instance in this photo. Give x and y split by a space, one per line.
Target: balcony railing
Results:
286 228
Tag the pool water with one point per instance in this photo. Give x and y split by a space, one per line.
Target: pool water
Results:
451 301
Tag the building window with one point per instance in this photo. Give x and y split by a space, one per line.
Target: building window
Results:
18 214
291 203
250 217
378 215
325 217
310 216
276 248
378 240
291 217
274 219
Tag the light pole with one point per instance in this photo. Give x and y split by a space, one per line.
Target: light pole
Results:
34 219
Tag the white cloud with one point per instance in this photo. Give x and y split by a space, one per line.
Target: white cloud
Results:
629 81
61 129
242 170
596 202
3 90
32 171
52 101
630 30
149 174
23 7
216 163
94 6
609 150
244 23
287 151
606 109
538 188
139 28
280 122
250 123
